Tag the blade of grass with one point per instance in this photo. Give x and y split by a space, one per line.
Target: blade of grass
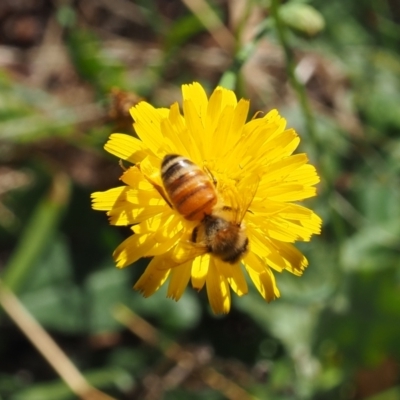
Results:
104 377
212 22
36 235
48 347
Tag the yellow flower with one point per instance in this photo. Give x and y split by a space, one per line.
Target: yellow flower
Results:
257 181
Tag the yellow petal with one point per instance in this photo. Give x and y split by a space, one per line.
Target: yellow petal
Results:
173 140
105 201
152 278
262 277
282 145
188 142
234 274
289 231
312 224
178 280
280 229
221 114
256 148
128 214
195 108
185 251
177 120
296 262
220 138
273 119
147 124
199 272
239 120
195 94
131 206
218 291
258 242
213 114
123 207
165 231
281 169
150 168
306 174
162 224
228 97
134 177
285 192
163 246
195 111
126 147
133 248
269 209
195 126
264 248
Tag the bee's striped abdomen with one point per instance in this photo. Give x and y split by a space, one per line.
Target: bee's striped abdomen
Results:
188 187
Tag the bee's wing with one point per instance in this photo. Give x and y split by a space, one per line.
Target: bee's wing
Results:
184 251
240 198
246 196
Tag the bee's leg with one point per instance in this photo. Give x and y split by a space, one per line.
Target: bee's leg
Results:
194 234
198 240
162 193
212 177
160 190
156 186
121 164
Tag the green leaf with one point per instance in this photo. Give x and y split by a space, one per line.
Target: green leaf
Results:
105 288
369 248
52 296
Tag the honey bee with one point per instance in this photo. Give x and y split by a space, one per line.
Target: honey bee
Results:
192 193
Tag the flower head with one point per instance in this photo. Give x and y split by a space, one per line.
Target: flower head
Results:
256 179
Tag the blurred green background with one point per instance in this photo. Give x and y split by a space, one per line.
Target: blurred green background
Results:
69 70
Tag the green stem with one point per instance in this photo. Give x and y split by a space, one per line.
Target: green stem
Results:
298 87
229 78
315 149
